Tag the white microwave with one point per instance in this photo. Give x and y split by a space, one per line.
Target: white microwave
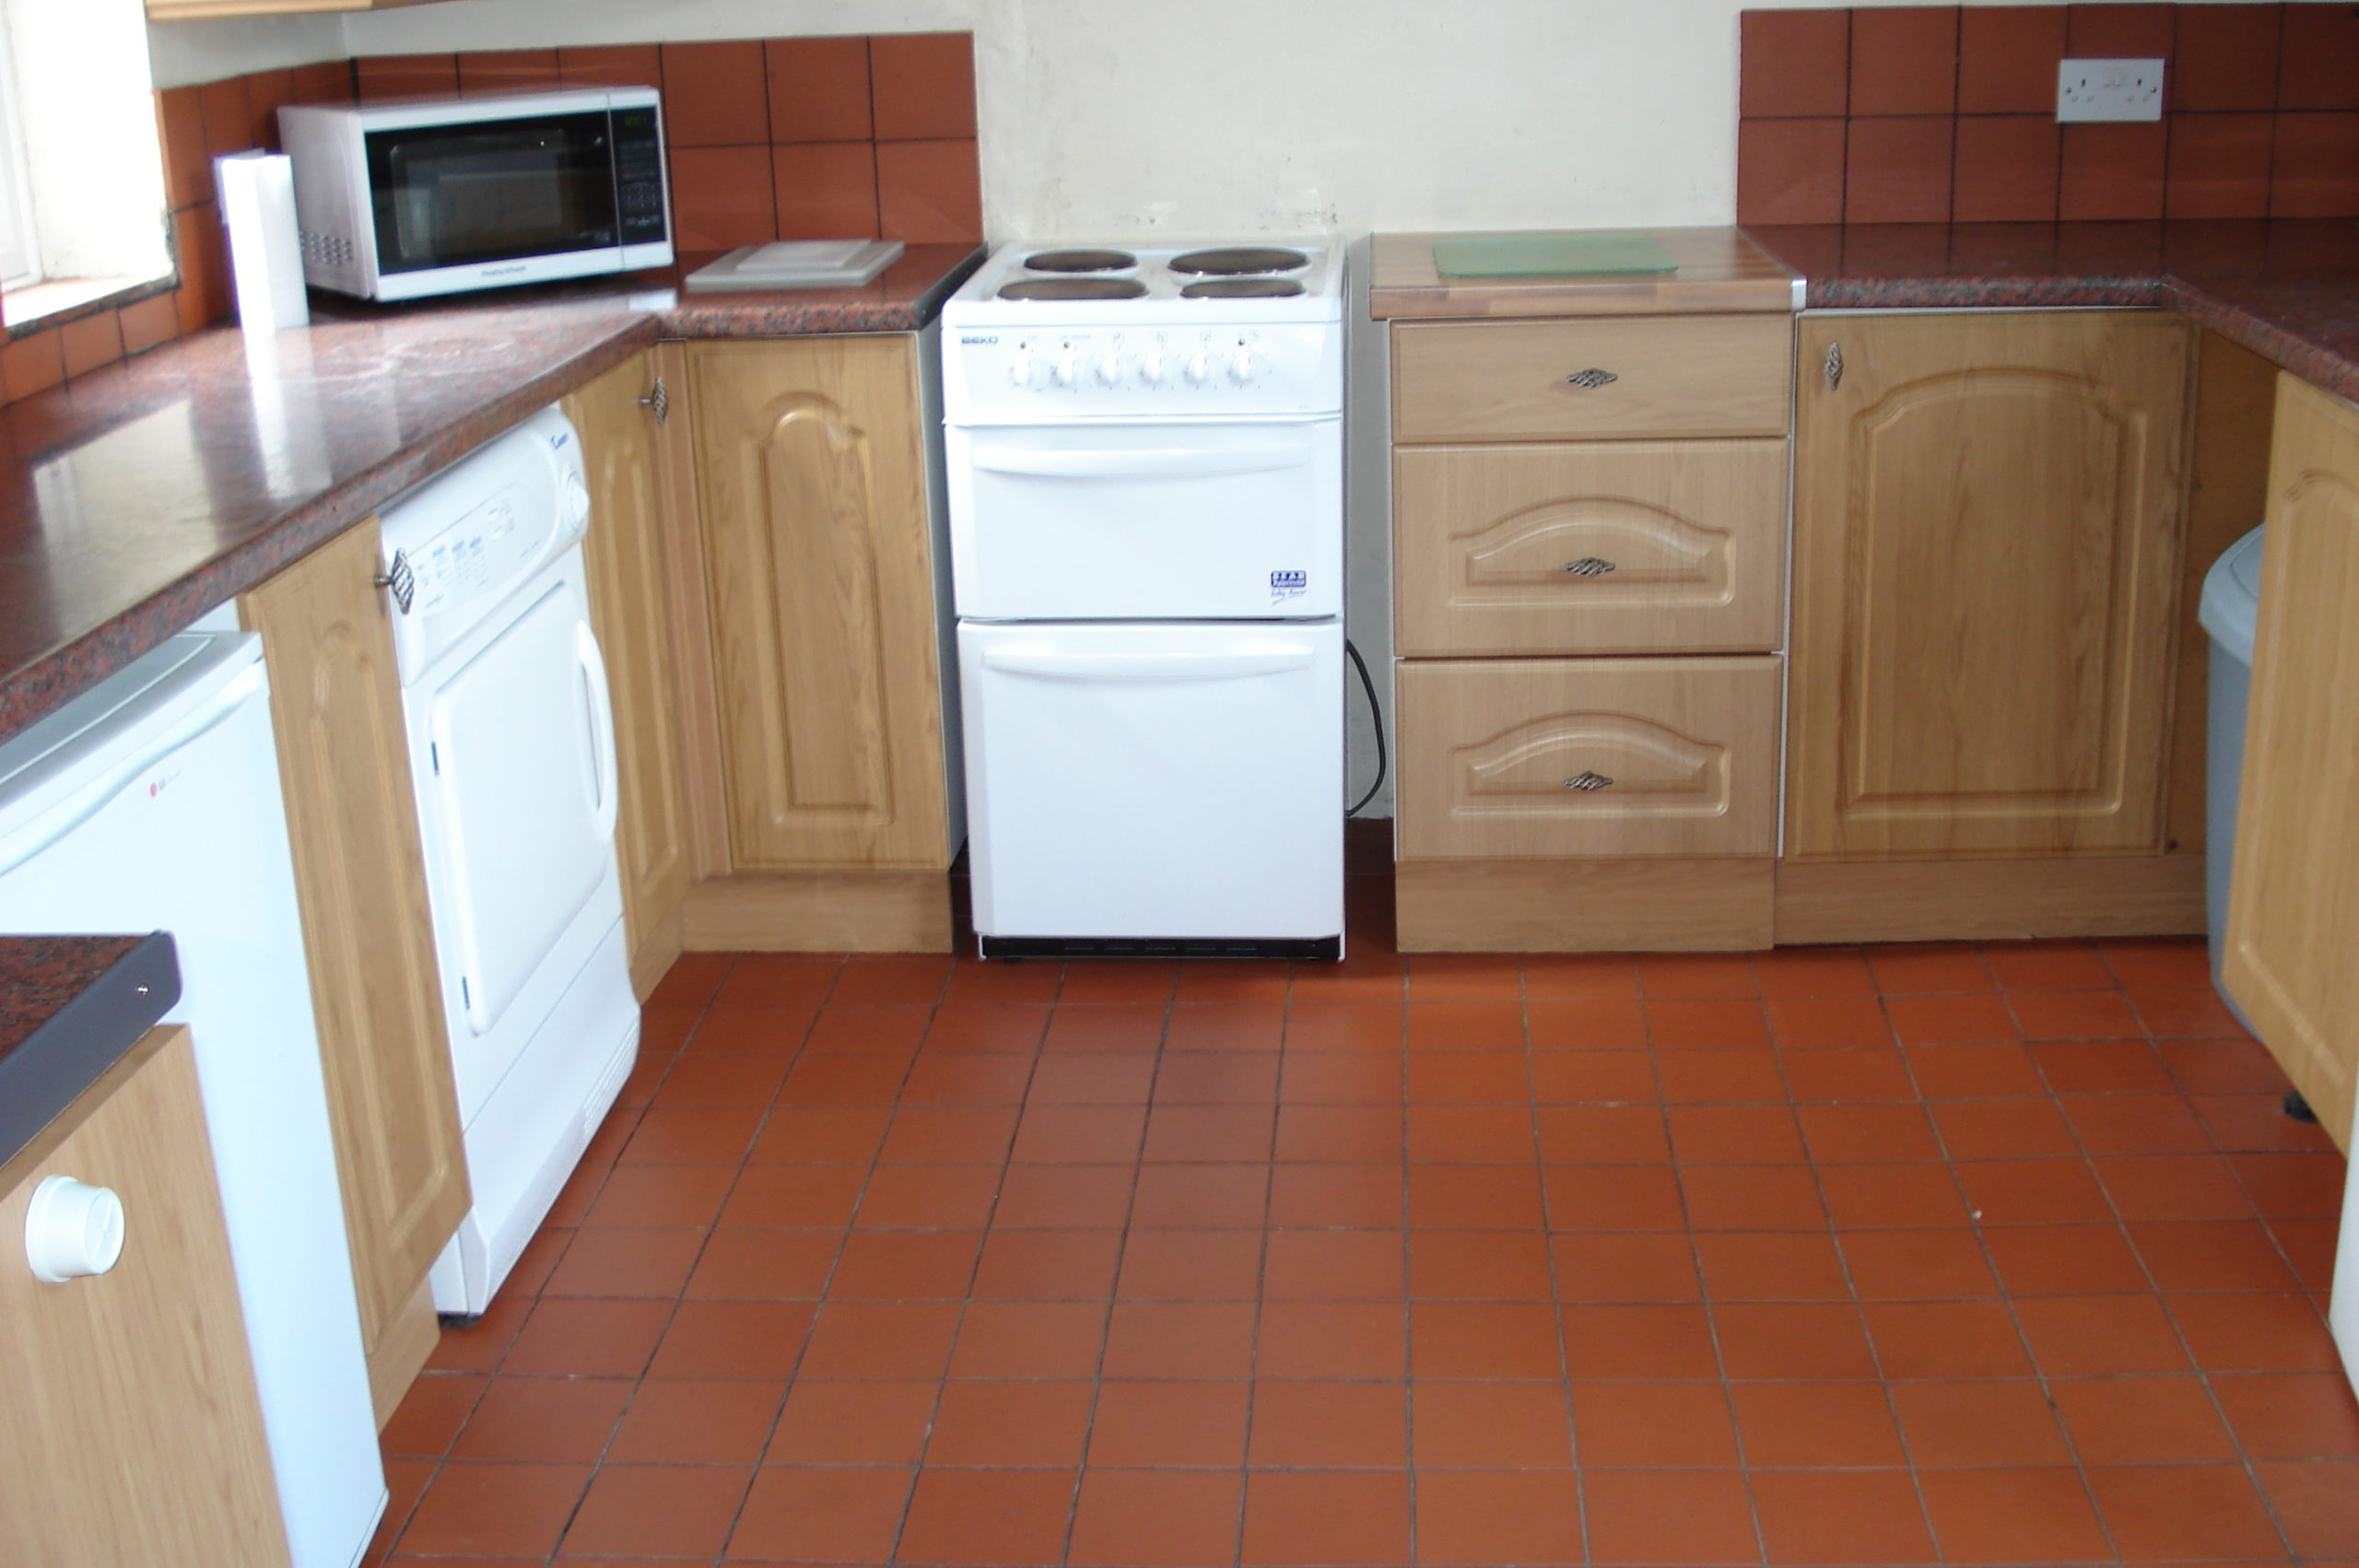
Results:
399 201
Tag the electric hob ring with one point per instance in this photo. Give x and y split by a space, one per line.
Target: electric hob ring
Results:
1072 288
1237 260
1080 261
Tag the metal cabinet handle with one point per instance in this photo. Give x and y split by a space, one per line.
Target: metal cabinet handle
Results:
1587 782
1591 379
1834 365
398 580
1589 565
658 402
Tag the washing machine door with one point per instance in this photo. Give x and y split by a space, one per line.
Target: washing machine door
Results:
522 764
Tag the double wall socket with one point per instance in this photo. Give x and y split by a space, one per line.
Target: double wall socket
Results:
2109 89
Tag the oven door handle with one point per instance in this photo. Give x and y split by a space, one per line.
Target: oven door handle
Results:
1142 462
1136 667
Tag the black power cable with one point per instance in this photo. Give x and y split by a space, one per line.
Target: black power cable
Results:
1376 722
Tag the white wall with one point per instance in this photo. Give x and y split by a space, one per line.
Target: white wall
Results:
186 52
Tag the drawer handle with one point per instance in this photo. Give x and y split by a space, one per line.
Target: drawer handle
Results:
1589 565
1591 379
1587 782
1834 365
399 580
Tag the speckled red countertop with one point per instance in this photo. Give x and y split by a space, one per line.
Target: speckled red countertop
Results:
2288 290
69 1007
135 499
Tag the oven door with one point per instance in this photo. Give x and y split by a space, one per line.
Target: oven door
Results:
491 191
1201 519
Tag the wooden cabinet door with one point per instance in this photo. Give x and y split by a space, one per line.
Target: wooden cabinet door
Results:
1988 514
1591 379
131 1432
629 609
819 568
360 881
2293 906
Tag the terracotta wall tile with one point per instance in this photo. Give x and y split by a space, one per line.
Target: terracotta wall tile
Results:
1789 170
2120 32
2112 171
722 198
198 243
2007 57
486 72
188 175
2319 61
1898 170
826 191
619 65
1795 62
2219 166
30 365
229 120
928 192
265 90
153 320
715 94
2224 57
923 85
1904 60
2314 170
91 342
818 89
406 76
2006 169
329 81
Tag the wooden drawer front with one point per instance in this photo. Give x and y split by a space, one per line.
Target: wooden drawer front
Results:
1523 380
1601 547
1588 757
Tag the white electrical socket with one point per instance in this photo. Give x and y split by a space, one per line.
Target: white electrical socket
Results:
2109 89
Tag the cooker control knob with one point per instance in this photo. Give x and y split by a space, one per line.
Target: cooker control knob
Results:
1067 369
1019 369
1200 367
1109 369
1152 367
1241 369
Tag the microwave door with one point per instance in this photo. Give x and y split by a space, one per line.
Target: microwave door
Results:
486 191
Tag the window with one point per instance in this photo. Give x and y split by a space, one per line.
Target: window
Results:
19 250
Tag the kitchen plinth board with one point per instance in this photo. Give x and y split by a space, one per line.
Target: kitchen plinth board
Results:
1613 905
2096 896
847 911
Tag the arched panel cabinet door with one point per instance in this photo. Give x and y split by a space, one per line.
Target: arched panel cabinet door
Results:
2294 904
819 573
1988 519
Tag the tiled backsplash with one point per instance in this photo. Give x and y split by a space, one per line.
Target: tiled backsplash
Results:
1935 115
781 138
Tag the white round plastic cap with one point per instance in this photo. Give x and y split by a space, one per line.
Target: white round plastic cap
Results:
72 1230
2230 609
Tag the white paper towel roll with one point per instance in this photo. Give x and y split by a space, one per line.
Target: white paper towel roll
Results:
265 257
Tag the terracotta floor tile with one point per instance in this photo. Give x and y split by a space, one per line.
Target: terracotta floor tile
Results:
692 979
1888 1197
2291 1415
1448 976
1949 1019
1467 1078
2309 1246
1029 1340
822 1135
1342 1077
1591 1134
949 1135
1216 1078
2196 1013
845 1078
2075 1015
2300 1185
1950 1426
1124 1079
1475 1197
1044 1265
2063 1260
1782 1340
2047 966
1359 1027
776 1033
1974 1071
588 1338
1664 974
983 980
1623 1340
1627 1266
1492 1425
1909 969
1231 980
2050 1191
1330 1425
774 1197
405 1481
2002 1130
1190 1265
1338 1134
544 1419
906 1266
2100 1335
2102 1066
1471 1134
660 1195
1712 1077
2254 1332
735 1339
821 1514
2160 1512
1650 1425
1296 1519
1141 984
868 1338
1079 1135
2211 1255
1254 1026
1010 1424
1063 1197
1617 1198
961 1025
1921 1265
1318 1195
927 1196
764 1266
720 1082
1465 1026
2157 961
658 1510
2135 1124
1485 1517
1118 1029
1597 1024
1484 1340
704 1421
1825 1516
1734 1135
967 1078
2174 1187
2239 1066
1744 1197
1479 1266
1154 1339
1877 1134
1705 1024
1702 1518
530 1275
2140 1421
1155 1518
1951 1339
1826 1023
1571 976
2014 1515
1334 1264
486 1509
1202 1197
1813 971
2317 1501
2246 1123
1190 1424
429 1416
987 1517
871 979
1317 1339
482 1345
1815 1425
1771 1265
1571 1077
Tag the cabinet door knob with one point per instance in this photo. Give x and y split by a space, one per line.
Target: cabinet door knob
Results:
72 1230
1834 365
1589 565
1591 379
1587 782
658 402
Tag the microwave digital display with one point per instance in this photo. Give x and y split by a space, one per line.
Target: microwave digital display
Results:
454 196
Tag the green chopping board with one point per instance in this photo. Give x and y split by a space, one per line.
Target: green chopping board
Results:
1550 255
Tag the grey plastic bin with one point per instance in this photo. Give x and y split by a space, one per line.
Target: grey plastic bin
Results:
2231 605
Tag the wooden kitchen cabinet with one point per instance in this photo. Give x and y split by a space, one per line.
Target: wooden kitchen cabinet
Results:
1987 528
361 882
628 559
825 668
2294 904
132 1432
1591 379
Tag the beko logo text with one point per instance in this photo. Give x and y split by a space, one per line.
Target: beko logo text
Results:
501 271
993 338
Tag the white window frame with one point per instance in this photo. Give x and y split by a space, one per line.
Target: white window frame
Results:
20 245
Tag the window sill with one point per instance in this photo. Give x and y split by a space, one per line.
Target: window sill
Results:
54 303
